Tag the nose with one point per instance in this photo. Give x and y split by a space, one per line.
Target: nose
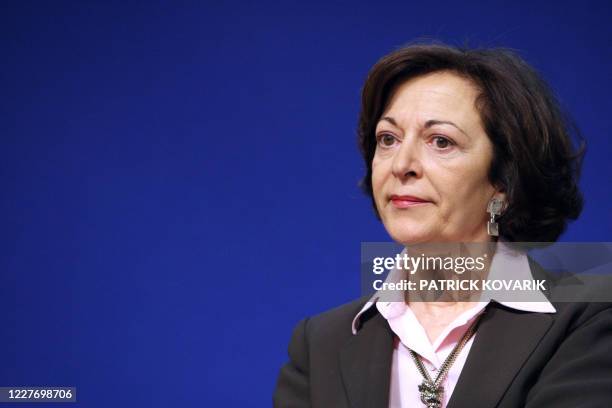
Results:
406 162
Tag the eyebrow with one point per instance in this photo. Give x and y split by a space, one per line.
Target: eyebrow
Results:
428 124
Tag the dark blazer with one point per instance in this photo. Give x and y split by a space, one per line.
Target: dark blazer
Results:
518 359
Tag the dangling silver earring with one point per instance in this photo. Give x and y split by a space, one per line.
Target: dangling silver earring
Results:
494 208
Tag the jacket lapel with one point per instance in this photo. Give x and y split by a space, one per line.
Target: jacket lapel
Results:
503 342
365 363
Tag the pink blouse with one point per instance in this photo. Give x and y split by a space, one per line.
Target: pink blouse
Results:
410 334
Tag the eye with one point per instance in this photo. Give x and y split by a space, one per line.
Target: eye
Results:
441 142
386 140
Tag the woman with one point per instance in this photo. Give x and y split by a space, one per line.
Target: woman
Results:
460 146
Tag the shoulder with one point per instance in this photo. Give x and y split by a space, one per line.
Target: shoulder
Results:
326 332
335 322
311 377
577 314
576 298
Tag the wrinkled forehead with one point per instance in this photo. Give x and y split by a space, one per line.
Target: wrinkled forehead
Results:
439 95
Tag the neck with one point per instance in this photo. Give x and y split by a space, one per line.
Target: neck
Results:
436 316
441 308
443 267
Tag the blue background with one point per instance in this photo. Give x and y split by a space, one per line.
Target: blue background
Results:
180 178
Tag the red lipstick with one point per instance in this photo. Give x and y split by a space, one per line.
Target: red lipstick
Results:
405 201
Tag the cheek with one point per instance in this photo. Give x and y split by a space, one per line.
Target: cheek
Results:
378 176
464 189
457 176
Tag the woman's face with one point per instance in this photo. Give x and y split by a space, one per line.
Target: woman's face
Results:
429 172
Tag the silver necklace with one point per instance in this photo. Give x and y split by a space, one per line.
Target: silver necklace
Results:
431 390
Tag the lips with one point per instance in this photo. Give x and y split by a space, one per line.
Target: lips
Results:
405 201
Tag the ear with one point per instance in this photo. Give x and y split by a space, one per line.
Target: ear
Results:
501 195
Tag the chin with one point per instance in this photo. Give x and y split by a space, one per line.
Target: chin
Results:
411 227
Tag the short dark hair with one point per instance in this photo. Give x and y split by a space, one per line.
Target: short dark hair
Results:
534 161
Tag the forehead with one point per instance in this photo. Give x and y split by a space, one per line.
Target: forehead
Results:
438 95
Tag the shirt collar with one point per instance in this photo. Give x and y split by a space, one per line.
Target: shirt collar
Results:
505 258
